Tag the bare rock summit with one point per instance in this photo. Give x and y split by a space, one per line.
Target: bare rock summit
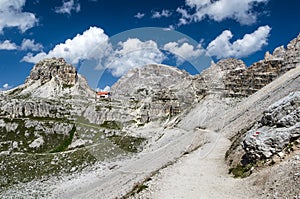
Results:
48 68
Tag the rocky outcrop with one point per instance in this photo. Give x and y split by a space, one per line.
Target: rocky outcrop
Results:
155 91
214 79
278 127
148 79
292 54
49 68
246 81
242 81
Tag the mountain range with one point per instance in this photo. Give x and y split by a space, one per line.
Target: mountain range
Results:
55 126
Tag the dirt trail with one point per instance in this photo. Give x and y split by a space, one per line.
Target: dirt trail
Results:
201 174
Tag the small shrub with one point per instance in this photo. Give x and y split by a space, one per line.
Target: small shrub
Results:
111 125
241 171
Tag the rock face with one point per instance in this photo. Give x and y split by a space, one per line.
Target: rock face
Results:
279 126
47 69
232 78
292 55
150 78
155 91
214 79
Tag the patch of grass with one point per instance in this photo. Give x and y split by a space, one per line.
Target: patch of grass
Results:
127 143
137 189
65 86
66 143
22 167
111 125
241 171
141 188
44 119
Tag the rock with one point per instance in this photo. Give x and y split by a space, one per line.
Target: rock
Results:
155 91
47 69
279 52
292 55
278 127
37 143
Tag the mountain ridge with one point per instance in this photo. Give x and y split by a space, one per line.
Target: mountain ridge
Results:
56 114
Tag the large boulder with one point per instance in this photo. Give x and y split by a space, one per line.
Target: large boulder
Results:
278 127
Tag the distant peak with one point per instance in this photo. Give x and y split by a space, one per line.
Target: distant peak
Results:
50 68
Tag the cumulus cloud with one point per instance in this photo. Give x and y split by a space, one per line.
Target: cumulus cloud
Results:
134 53
163 13
68 7
94 44
91 44
184 51
221 47
139 15
240 10
7 45
11 15
29 44
5 87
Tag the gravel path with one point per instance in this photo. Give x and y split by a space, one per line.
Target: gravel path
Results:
201 174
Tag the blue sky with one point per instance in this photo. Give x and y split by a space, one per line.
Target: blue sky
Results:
90 33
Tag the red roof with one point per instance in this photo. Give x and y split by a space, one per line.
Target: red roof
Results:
103 93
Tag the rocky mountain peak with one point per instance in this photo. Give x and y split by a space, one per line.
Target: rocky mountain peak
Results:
48 68
231 64
150 77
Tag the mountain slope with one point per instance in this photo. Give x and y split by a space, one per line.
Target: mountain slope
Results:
54 125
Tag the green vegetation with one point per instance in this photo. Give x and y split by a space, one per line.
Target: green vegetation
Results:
66 142
45 119
127 143
65 86
111 125
52 158
141 188
138 188
21 167
241 171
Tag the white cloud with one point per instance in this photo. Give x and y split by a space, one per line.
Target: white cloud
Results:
94 44
11 15
163 13
68 7
134 53
221 47
240 10
185 17
34 58
139 15
107 88
5 87
91 44
184 51
7 45
28 44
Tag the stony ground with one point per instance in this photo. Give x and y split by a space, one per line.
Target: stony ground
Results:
200 174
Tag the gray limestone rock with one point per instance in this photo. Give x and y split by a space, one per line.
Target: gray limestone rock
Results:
278 127
47 69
